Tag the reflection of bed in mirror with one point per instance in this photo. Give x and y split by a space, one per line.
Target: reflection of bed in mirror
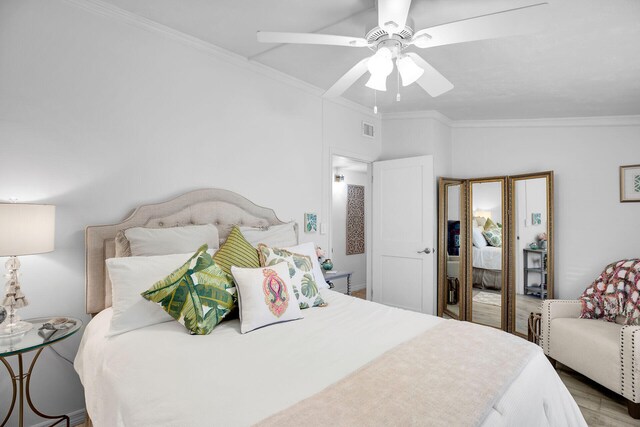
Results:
487 267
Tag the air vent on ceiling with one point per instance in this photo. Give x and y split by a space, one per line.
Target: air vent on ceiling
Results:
367 130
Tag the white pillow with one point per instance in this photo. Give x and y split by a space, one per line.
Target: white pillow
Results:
276 236
129 277
172 240
265 296
309 249
478 238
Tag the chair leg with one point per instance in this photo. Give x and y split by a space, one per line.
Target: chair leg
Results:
552 361
634 409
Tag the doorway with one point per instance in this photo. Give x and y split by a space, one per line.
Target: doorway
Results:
349 204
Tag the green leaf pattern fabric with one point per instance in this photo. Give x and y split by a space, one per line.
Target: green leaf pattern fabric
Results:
304 285
198 294
493 236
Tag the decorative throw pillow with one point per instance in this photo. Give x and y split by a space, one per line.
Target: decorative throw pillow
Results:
480 220
309 249
236 251
489 224
131 275
265 296
300 272
616 292
198 294
493 236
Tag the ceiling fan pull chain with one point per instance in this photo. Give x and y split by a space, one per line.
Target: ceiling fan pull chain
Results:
375 101
397 81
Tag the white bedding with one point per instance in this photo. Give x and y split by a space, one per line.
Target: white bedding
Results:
489 258
162 376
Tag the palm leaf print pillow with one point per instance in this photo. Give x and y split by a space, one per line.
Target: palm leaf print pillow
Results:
304 285
197 294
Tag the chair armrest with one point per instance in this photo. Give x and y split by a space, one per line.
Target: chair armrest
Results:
552 309
629 359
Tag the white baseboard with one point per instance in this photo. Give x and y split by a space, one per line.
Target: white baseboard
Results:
75 418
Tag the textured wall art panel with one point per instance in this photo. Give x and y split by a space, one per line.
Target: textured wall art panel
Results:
355 219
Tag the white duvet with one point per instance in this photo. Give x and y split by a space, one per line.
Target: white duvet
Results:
489 258
162 376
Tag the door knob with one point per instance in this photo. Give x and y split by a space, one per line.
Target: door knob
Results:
426 251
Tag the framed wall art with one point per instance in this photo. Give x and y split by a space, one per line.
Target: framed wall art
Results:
630 183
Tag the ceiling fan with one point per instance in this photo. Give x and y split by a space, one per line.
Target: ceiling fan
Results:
394 35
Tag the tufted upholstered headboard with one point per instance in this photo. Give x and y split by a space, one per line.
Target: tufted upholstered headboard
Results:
222 208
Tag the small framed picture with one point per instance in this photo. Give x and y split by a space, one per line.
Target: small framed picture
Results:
536 218
630 183
310 223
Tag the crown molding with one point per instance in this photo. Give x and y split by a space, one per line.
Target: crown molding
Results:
108 10
632 120
426 114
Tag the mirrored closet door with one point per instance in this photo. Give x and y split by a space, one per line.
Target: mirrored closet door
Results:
531 261
487 265
452 246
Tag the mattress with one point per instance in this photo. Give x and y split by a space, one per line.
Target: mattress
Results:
162 376
489 258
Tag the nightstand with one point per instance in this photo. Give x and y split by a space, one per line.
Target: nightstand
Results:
17 346
331 275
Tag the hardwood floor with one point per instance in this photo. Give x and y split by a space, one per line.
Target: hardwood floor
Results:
489 314
599 406
360 293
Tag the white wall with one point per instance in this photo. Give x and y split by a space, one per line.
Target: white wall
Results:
592 228
341 261
98 116
487 196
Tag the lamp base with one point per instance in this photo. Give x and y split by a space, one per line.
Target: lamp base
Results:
14 329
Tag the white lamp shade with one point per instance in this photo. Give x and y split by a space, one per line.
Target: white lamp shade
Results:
408 70
377 82
26 229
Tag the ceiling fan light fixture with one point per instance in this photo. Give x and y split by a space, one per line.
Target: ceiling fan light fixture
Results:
381 62
377 82
408 70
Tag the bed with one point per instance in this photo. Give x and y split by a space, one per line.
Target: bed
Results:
160 375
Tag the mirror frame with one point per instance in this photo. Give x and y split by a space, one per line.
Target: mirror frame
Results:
504 312
443 204
512 243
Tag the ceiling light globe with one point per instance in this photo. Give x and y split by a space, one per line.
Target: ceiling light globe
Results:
408 70
377 82
380 62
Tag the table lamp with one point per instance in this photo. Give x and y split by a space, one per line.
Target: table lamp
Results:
25 229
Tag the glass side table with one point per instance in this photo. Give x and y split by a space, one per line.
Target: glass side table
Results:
34 339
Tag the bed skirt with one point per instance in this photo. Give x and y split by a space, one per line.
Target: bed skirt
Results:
487 279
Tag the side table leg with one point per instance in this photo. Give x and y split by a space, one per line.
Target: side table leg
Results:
60 418
349 285
15 391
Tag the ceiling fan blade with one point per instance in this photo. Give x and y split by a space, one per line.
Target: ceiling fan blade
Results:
392 15
523 20
347 80
431 81
310 38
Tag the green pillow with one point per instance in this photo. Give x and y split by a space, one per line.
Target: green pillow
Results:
236 251
493 236
198 294
489 224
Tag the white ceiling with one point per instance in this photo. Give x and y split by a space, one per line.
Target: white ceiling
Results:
586 63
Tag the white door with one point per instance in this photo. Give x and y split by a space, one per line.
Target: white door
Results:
402 236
